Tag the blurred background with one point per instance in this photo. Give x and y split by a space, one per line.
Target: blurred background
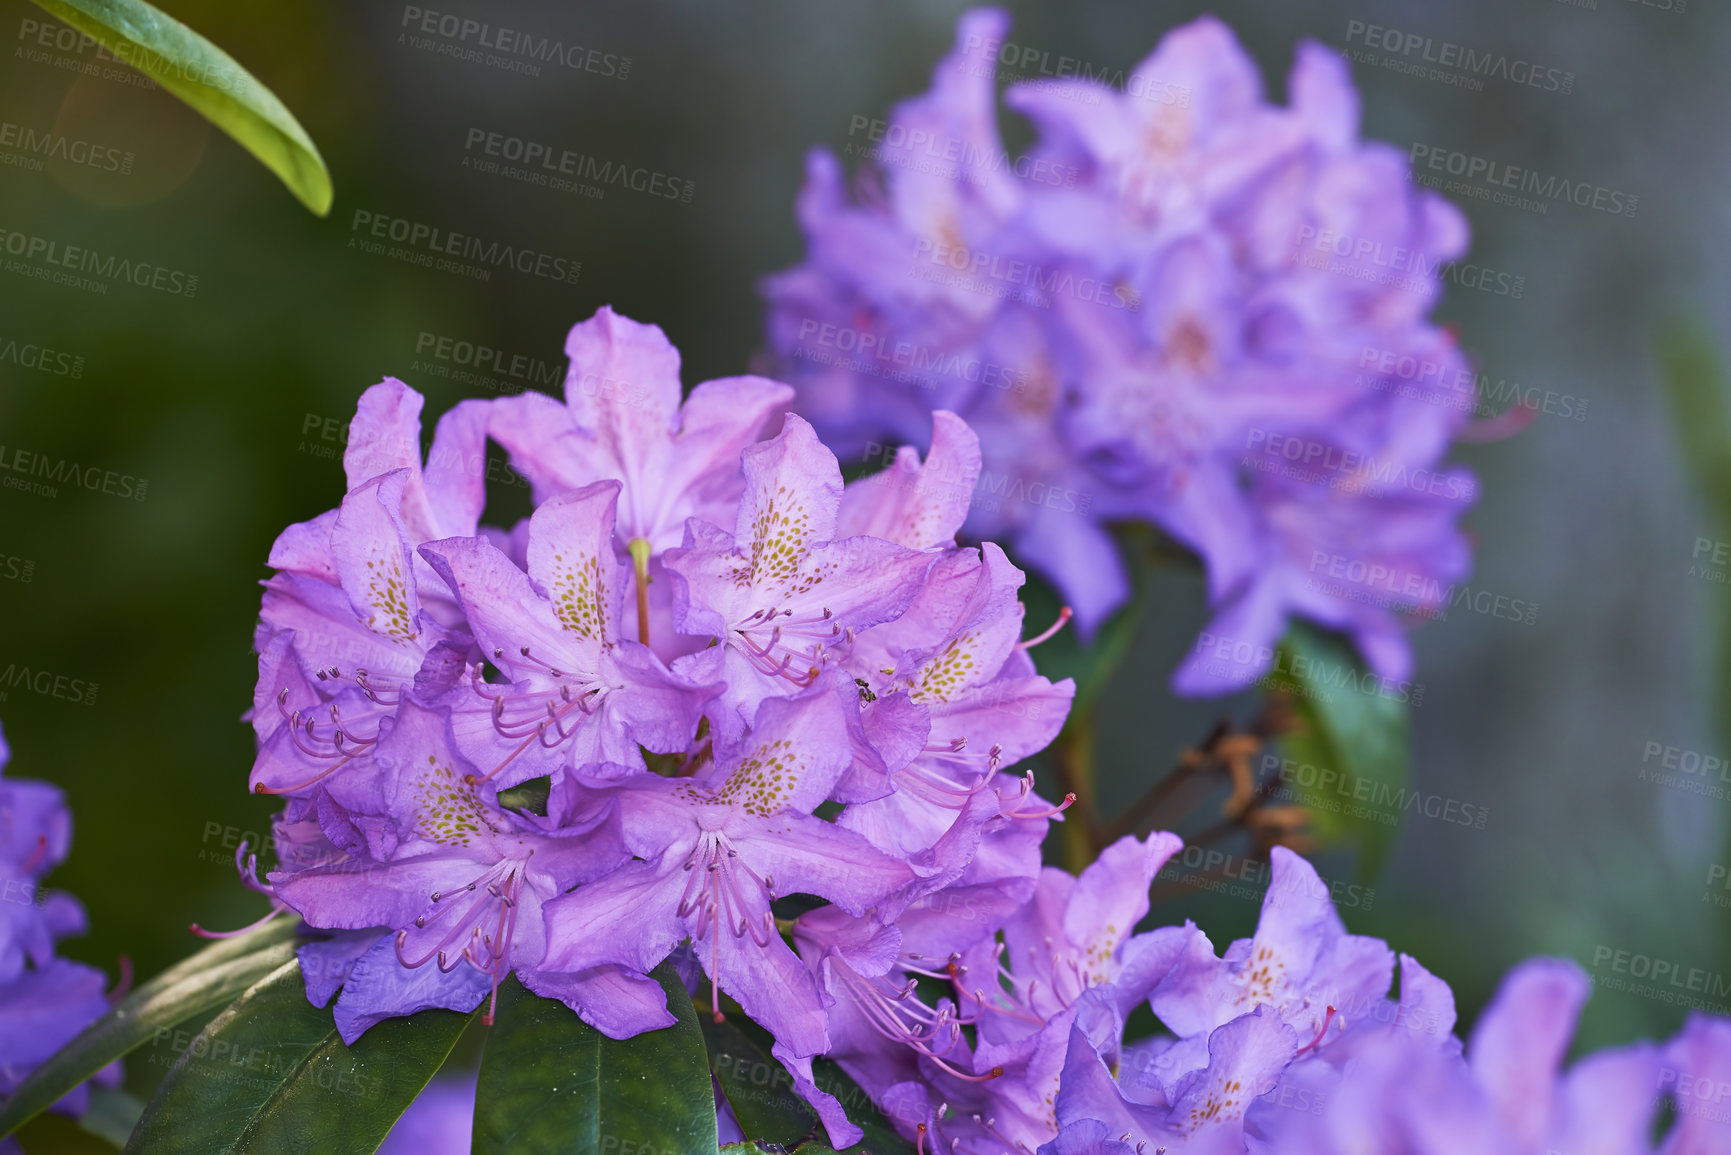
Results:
224 381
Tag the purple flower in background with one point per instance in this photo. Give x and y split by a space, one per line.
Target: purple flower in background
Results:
1176 308
1107 1098
1301 962
45 1001
1403 1095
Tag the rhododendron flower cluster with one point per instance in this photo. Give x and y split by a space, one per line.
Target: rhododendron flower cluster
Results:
732 678
709 704
1183 305
45 1000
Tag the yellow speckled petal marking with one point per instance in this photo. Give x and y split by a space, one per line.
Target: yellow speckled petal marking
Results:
446 808
1227 1099
388 595
780 540
1263 978
948 672
578 596
761 783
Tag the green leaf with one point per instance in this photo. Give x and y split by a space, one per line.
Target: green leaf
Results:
880 1138
271 1074
208 979
112 1115
1354 730
551 1082
1694 378
208 79
758 1088
761 1082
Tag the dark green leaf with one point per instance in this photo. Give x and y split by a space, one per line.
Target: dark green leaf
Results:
208 79
740 1032
1354 730
270 1074
758 1088
208 979
550 1082
880 1137
112 1115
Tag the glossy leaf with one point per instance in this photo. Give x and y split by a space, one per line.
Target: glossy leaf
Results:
211 82
758 1088
112 1115
208 979
740 1055
1354 729
880 1138
550 1082
271 1074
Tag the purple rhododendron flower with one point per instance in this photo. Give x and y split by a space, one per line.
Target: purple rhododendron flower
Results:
789 763
814 644
1173 309
45 1000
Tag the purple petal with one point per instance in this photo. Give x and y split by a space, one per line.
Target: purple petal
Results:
380 987
615 1001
